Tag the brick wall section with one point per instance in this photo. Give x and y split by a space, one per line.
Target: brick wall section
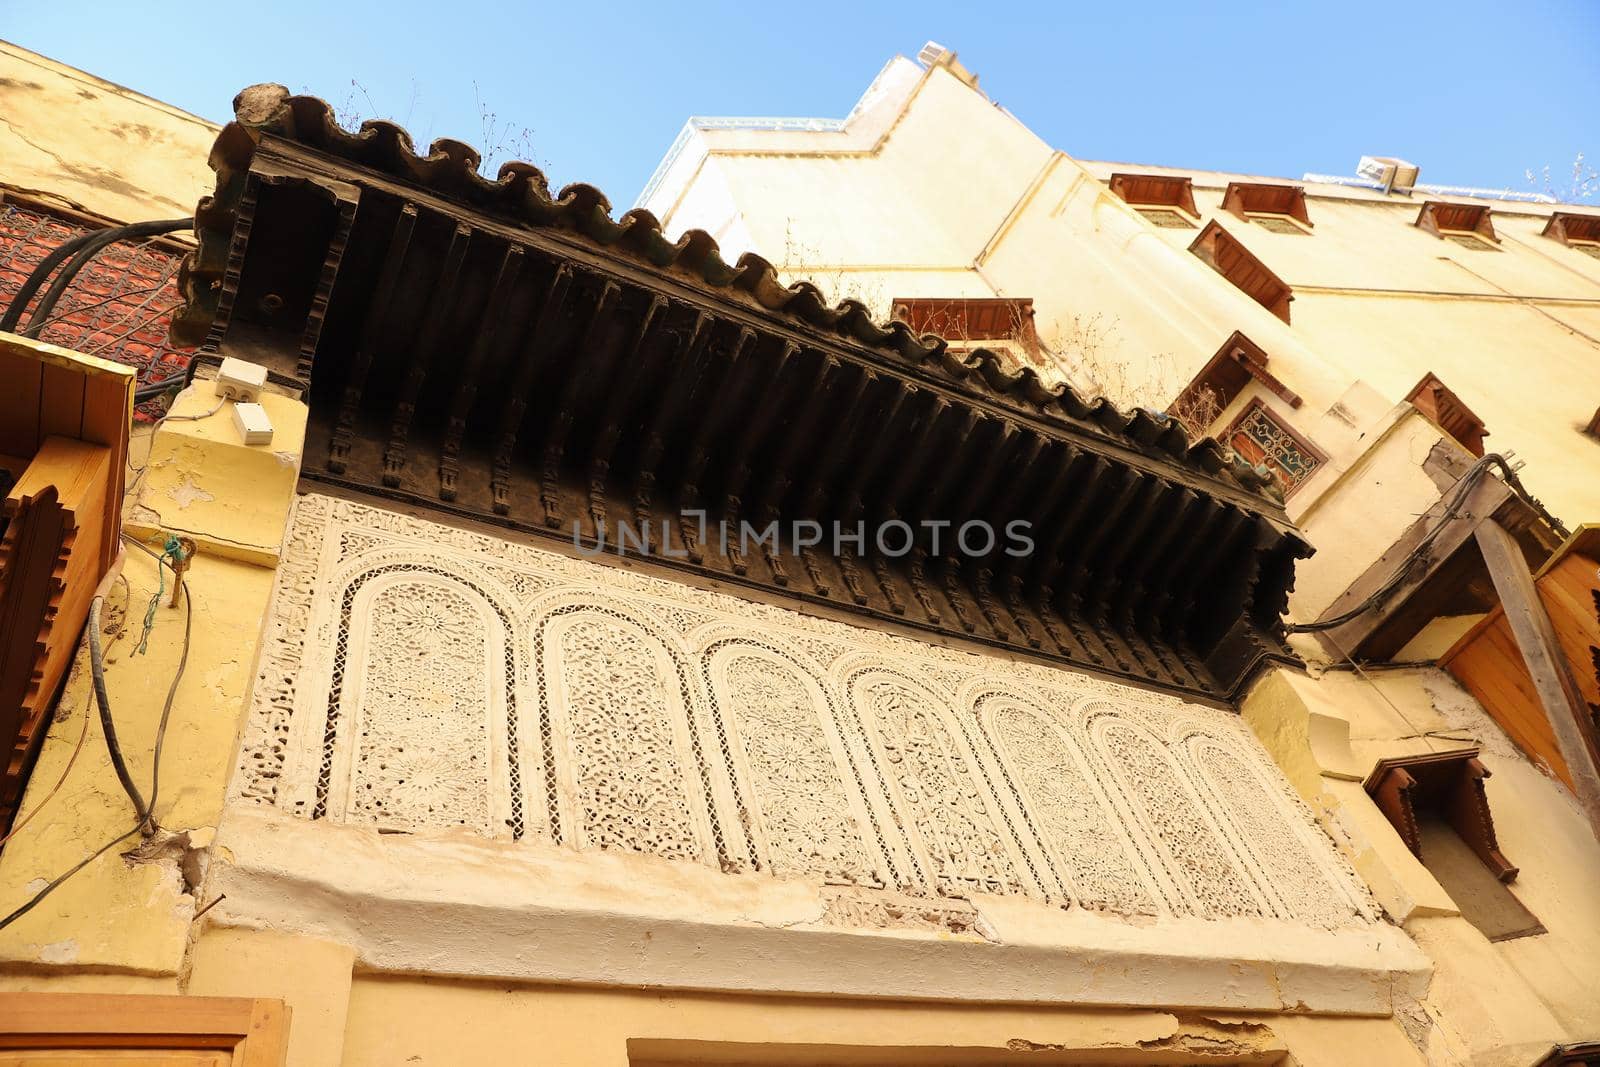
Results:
118 306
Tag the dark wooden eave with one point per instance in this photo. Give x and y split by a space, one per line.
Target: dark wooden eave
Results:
490 351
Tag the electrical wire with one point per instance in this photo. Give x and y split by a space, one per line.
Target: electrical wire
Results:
38 276
138 472
1458 498
83 733
100 592
172 690
151 390
96 243
161 730
107 725
33 901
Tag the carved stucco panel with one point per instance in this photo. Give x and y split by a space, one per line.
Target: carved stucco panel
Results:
620 737
560 699
422 729
936 793
788 757
1208 879
1089 843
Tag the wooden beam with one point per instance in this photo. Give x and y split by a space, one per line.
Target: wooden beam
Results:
1547 666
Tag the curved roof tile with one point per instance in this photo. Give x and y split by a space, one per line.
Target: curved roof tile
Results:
522 194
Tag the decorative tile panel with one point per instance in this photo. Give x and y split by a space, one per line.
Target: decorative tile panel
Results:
423 678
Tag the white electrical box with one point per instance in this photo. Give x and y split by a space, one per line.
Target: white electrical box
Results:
252 423
239 379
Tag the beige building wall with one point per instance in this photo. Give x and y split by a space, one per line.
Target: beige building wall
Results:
92 146
1129 310
930 189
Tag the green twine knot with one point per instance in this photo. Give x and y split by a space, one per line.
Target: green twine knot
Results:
171 549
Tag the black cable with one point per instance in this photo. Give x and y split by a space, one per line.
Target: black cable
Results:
46 891
151 390
37 277
183 662
1457 500
97 668
155 774
97 243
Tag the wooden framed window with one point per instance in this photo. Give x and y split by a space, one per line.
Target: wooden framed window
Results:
1221 251
1437 803
1435 399
1467 225
1165 200
142 1031
1578 232
1260 437
63 460
1276 208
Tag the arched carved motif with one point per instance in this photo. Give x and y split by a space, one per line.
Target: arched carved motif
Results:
1086 836
953 828
620 747
454 676
421 728
789 761
1210 881
1303 888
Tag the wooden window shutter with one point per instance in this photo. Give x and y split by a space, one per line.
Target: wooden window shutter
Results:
39 1029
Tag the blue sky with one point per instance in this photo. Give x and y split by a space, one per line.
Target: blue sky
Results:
1476 93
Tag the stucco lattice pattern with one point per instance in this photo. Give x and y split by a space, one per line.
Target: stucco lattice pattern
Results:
421 678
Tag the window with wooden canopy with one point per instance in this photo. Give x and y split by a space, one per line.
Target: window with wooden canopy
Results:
1437 803
1579 232
962 319
1224 253
1468 225
1436 400
1218 384
1004 326
1276 208
1165 200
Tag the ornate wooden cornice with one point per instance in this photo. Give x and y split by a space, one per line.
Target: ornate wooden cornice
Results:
487 350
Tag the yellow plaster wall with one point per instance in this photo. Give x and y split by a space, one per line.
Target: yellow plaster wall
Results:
1498 1002
1533 381
854 207
312 977
96 146
133 916
405 1020
1356 507
192 478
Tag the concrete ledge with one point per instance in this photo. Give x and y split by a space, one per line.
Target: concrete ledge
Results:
465 907
201 480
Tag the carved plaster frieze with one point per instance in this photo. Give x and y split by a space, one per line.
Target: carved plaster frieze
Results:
419 678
